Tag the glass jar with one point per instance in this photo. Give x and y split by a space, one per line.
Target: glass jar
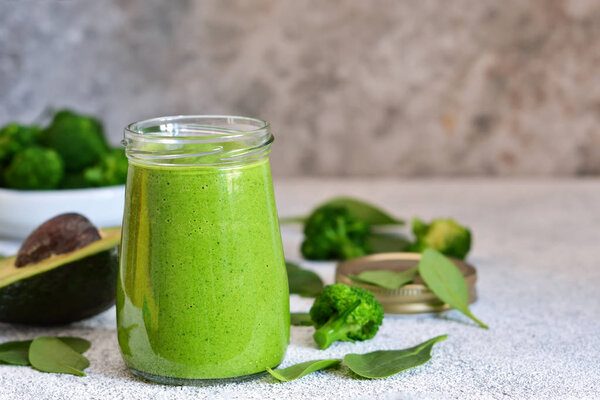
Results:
202 290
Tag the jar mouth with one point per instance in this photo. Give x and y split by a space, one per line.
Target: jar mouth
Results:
187 140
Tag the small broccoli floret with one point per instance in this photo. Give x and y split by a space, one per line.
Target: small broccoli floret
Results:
14 138
333 233
345 313
77 138
444 235
34 168
111 170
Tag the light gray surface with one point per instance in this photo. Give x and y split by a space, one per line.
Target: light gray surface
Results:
536 250
366 88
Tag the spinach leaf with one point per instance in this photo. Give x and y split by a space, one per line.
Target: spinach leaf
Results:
387 242
50 354
366 212
381 364
302 369
78 344
15 353
446 281
293 220
302 281
385 278
301 319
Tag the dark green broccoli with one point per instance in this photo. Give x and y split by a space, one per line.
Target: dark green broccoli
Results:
34 168
73 180
444 235
333 233
77 138
345 313
111 170
14 138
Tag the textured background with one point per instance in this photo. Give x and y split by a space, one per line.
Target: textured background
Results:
399 88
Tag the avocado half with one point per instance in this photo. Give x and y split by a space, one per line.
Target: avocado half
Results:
62 288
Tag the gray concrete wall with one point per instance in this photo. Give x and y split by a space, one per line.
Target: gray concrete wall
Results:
397 88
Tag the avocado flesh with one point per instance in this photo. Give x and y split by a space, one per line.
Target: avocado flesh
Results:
62 288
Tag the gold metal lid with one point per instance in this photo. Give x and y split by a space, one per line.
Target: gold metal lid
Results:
413 298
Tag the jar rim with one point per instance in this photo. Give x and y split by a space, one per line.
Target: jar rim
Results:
205 125
197 140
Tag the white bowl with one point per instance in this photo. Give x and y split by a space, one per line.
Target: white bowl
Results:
21 211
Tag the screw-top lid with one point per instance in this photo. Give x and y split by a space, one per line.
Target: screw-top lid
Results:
412 298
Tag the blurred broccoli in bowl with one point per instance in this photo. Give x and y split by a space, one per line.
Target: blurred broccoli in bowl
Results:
70 153
34 168
78 139
444 235
111 170
14 138
73 180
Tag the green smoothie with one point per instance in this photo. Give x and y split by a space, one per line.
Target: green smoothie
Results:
202 292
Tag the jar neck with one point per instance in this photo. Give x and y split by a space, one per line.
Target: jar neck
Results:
197 141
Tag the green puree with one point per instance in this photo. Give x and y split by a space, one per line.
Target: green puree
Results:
202 291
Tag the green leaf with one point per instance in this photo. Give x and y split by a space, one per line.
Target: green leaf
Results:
387 243
366 212
293 220
385 278
302 369
78 344
301 319
302 281
50 354
381 364
15 353
446 281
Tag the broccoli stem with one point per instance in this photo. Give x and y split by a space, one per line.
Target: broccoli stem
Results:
336 328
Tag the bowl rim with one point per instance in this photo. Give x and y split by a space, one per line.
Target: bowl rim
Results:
40 193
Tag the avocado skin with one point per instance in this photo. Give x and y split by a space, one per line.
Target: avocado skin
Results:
69 293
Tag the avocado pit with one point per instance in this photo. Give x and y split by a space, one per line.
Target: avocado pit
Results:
61 234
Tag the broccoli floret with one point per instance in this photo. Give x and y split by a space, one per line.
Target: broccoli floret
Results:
14 138
345 313
444 235
77 138
34 168
111 170
333 233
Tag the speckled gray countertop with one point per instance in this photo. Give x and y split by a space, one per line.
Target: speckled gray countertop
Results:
537 250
